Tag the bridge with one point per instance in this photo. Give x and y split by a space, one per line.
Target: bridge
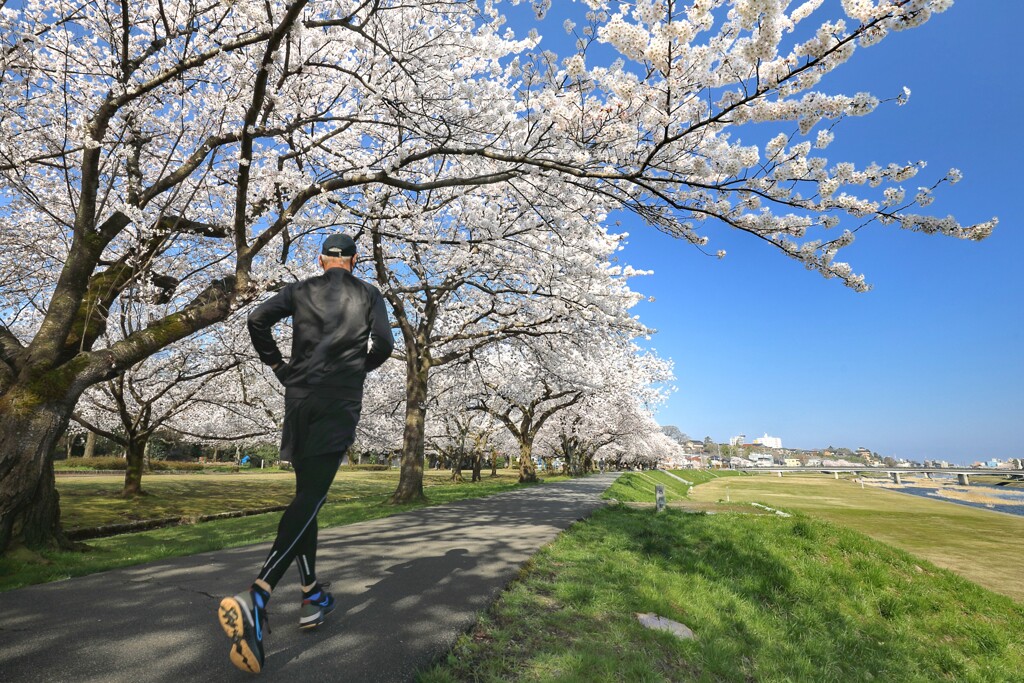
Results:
962 474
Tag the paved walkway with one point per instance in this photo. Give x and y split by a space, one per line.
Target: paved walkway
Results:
406 585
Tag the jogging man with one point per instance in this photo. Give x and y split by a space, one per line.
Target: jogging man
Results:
340 332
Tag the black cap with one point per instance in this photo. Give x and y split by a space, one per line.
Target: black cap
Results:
339 245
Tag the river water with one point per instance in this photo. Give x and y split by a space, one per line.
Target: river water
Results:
1010 500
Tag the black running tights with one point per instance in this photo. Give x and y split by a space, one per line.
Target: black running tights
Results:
297 533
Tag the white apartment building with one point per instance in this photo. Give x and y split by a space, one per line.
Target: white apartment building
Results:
769 441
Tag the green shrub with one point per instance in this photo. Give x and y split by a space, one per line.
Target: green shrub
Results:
100 463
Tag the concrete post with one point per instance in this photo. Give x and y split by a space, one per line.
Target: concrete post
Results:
780 474
896 477
835 474
964 479
659 496
927 475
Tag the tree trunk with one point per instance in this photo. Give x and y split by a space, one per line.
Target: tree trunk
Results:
456 461
90 444
29 503
527 468
494 464
136 453
478 459
410 482
588 463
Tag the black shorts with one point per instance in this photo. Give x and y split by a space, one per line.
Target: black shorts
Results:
317 425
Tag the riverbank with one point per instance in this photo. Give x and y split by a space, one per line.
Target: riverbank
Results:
983 547
983 496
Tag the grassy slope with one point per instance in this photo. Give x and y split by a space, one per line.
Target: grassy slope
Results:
21 568
986 547
769 599
638 487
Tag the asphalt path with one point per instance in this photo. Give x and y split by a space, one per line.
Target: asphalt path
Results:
406 586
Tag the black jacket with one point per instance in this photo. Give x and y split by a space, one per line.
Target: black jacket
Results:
340 331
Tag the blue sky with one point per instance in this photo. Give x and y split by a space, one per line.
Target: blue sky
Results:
930 363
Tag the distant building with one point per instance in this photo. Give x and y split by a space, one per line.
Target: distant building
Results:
791 462
762 459
865 454
768 441
737 440
693 446
814 462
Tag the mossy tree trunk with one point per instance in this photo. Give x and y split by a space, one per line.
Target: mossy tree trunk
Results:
135 449
478 460
456 461
527 468
29 502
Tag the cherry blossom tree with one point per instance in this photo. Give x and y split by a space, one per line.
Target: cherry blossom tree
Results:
130 408
527 383
189 143
615 417
380 424
191 147
466 269
209 387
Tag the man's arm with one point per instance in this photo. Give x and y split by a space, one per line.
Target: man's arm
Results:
382 343
261 324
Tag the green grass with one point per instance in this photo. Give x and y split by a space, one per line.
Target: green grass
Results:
986 547
769 599
638 487
22 568
704 476
91 501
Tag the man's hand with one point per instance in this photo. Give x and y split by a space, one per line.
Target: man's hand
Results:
280 371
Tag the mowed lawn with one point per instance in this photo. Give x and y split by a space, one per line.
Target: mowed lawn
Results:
983 546
91 501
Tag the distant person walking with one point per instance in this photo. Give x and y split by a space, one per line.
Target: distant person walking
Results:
340 332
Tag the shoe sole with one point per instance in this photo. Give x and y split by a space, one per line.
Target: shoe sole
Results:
230 615
316 621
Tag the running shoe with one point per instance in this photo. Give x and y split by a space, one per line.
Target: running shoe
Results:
244 619
315 608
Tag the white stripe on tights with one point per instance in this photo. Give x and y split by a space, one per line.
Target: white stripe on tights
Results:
316 510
